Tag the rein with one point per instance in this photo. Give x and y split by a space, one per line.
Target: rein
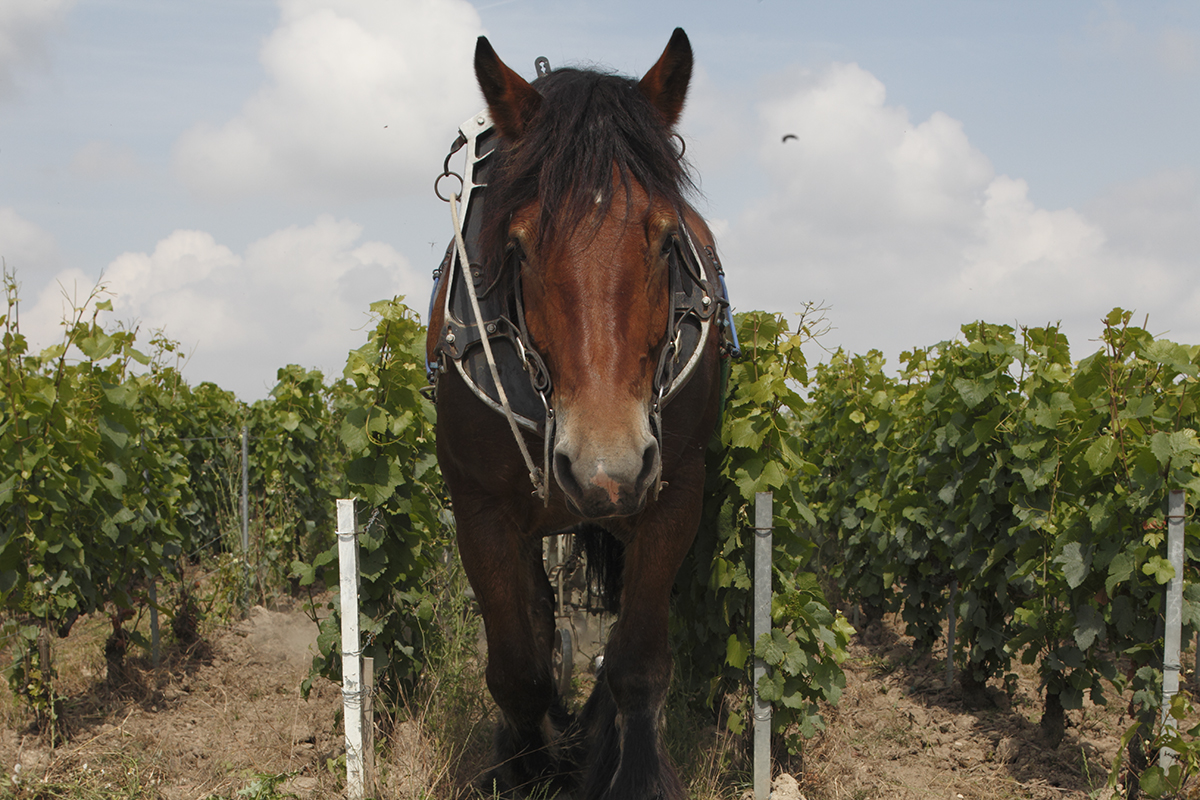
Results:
540 478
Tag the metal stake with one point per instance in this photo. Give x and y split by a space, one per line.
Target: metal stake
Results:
1172 633
763 515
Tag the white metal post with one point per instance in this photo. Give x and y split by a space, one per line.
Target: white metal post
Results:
368 723
763 515
245 517
155 649
352 683
1172 632
246 493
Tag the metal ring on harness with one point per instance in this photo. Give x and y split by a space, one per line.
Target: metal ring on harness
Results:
438 182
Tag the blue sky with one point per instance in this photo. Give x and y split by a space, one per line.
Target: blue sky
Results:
250 174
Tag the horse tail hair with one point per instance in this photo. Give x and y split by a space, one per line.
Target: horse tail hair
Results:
605 564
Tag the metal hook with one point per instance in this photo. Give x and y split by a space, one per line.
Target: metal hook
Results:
682 144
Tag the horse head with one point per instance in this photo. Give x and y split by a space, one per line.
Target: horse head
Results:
585 206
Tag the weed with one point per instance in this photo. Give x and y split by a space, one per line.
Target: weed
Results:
440 733
875 665
111 777
265 787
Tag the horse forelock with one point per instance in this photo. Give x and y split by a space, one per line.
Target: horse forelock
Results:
590 126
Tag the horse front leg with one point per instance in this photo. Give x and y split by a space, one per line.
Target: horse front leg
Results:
516 600
627 759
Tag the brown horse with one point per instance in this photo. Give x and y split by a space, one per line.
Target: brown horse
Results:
600 290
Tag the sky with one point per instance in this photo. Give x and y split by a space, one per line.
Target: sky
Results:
249 175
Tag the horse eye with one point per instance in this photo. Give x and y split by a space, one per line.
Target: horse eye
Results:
514 250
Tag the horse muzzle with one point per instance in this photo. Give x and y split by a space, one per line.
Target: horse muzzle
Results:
605 481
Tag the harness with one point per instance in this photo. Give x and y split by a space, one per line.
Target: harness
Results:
483 334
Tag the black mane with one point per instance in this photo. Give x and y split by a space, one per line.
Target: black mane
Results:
588 122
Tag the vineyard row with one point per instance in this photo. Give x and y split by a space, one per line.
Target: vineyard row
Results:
994 461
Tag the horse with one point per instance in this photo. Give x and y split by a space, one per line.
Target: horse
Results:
577 335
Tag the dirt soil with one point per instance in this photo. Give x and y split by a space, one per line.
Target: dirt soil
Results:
216 720
901 732
229 714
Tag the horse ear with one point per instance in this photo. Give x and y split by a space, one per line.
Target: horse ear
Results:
666 84
511 101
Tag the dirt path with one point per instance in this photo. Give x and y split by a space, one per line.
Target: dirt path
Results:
900 732
228 716
231 715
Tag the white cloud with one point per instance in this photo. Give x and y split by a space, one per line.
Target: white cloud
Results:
24 28
25 247
861 196
361 97
907 231
300 295
188 285
1158 216
1153 229
43 316
99 160
859 162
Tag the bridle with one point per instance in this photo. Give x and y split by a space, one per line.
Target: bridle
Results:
484 334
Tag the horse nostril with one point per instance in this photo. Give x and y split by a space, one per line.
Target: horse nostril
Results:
564 471
650 466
